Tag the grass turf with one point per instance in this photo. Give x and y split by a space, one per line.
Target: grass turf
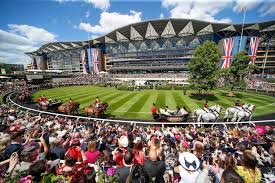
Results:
137 104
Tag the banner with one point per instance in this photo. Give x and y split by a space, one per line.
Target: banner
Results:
227 52
95 54
253 47
90 64
83 54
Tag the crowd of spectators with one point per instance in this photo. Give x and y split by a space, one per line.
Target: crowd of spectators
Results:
151 75
53 149
256 82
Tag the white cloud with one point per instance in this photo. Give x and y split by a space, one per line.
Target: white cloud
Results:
240 5
34 34
268 9
101 4
197 9
87 14
161 16
110 21
20 39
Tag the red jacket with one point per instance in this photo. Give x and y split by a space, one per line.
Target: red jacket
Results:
154 110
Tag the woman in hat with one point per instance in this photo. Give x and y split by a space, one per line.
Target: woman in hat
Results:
188 168
119 152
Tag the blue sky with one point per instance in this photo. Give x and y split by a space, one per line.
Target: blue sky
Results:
28 24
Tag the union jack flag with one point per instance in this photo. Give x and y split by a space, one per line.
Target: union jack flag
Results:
83 61
227 52
252 51
95 61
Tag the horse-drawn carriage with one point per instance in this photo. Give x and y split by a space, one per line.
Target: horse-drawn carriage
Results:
49 105
174 116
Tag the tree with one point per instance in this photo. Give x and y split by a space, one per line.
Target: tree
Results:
238 72
204 66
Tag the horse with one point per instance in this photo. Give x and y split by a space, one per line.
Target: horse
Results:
68 109
246 113
94 111
211 116
199 112
229 112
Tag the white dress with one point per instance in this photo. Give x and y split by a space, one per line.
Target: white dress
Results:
187 176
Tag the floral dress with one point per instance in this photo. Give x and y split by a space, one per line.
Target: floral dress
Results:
248 175
170 157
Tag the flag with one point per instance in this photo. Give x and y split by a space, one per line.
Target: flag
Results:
253 47
95 53
90 64
227 52
83 54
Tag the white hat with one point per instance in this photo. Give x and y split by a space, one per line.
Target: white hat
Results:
123 141
189 161
137 139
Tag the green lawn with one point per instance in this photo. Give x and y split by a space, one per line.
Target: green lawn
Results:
137 104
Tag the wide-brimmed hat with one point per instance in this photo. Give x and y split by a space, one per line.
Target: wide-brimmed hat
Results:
123 141
189 161
137 139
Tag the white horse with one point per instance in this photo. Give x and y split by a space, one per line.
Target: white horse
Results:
229 112
199 112
245 114
211 116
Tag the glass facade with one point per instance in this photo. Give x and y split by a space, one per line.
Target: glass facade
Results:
67 61
159 55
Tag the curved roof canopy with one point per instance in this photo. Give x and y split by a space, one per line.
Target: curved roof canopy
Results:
155 29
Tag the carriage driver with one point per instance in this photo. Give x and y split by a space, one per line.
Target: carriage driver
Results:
154 111
70 102
44 99
206 107
97 102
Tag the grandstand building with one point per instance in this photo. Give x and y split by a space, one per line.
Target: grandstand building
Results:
157 46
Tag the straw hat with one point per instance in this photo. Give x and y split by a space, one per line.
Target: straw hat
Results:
189 161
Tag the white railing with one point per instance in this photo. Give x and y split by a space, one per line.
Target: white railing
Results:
18 107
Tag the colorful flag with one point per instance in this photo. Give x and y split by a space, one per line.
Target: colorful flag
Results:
253 47
90 62
95 53
227 52
83 54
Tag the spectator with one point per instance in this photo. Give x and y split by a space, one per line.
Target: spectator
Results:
15 145
92 153
124 171
249 170
139 155
154 167
188 169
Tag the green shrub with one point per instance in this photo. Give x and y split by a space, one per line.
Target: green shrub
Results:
164 87
125 87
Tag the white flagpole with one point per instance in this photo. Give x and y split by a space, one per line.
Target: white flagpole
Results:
244 10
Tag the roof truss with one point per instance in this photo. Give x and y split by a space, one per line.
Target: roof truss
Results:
187 30
120 37
168 30
134 35
151 32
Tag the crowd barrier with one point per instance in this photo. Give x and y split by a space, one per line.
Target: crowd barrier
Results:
13 104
